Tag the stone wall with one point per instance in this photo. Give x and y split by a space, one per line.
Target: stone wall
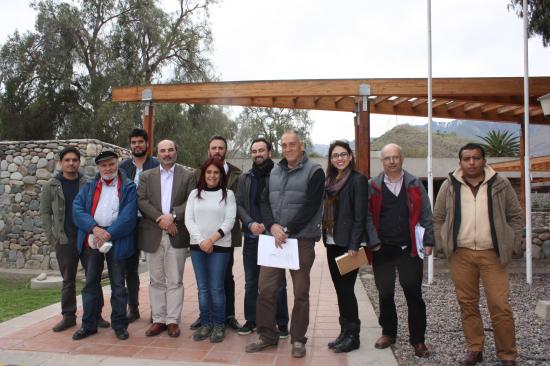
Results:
25 166
541 235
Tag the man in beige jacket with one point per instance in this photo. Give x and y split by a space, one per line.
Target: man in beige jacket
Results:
478 224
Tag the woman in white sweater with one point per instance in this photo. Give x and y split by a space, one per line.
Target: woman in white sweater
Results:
209 218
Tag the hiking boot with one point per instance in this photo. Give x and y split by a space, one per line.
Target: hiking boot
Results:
283 331
350 341
218 334
298 349
65 323
202 333
231 322
259 345
338 339
247 328
196 324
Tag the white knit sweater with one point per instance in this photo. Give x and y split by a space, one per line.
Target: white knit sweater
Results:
204 216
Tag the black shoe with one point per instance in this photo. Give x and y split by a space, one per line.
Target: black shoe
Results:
247 328
122 334
102 323
65 323
196 324
343 323
283 331
83 333
350 341
133 313
232 323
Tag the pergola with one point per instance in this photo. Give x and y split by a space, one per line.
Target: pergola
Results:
498 99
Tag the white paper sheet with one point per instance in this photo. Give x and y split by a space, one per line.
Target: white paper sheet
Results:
271 256
419 236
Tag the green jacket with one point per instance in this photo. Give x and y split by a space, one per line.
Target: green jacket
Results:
52 210
504 210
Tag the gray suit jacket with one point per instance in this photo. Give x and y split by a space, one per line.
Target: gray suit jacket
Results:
150 205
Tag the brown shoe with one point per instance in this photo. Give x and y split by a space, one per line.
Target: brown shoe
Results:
384 342
420 350
173 330
472 358
507 362
155 329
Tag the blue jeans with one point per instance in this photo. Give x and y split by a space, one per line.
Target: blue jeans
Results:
210 275
251 275
91 292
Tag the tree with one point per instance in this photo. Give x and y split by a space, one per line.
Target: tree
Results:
270 123
500 144
82 48
538 14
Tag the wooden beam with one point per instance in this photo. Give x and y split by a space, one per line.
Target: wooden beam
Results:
507 109
439 102
490 107
454 105
418 102
379 100
471 106
399 100
362 138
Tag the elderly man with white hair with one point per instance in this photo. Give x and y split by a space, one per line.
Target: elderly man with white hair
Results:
397 203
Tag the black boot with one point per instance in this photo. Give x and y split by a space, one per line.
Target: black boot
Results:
65 323
133 313
351 338
340 337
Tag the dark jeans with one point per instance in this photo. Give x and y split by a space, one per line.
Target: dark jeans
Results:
67 258
132 277
270 282
210 272
386 261
91 293
251 275
229 285
344 285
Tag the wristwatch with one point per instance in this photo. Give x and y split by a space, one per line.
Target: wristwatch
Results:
174 215
285 230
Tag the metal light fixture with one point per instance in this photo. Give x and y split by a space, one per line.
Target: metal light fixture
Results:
545 104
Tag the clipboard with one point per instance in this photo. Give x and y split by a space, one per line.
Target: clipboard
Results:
347 263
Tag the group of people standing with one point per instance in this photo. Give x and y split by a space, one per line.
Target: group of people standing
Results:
175 213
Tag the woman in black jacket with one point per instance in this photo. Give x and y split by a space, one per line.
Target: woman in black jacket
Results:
344 217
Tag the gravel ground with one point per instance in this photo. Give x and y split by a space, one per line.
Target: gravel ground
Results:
444 334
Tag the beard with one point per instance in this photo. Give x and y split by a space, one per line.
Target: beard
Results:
109 176
139 154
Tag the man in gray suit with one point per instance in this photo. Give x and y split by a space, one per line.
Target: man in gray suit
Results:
162 197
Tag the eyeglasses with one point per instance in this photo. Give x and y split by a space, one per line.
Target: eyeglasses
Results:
346 142
342 155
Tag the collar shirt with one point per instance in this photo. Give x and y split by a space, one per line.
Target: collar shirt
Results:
107 207
139 170
166 182
394 187
225 167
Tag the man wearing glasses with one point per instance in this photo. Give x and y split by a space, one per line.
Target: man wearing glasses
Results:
397 203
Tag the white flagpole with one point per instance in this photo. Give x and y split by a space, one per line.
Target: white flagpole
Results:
527 158
429 160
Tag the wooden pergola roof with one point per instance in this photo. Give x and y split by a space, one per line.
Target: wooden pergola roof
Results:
538 164
486 99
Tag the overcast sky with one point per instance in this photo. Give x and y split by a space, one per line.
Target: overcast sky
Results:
317 39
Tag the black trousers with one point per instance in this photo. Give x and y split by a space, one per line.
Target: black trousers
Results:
229 285
132 277
386 261
68 258
344 285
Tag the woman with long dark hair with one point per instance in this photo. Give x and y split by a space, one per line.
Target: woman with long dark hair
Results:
344 218
209 217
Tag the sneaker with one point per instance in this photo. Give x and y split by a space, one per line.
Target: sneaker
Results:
283 331
218 334
231 322
196 324
65 323
202 333
102 323
258 346
247 328
298 349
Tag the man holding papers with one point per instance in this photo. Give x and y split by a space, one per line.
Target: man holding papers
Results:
291 207
397 203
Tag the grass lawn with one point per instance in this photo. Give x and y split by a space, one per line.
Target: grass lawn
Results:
17 297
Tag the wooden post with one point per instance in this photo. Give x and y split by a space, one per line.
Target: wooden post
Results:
148 126
362 138
522 168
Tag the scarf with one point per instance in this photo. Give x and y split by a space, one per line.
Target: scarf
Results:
261 172
333 186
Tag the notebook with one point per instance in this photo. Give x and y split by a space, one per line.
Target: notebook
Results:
347 263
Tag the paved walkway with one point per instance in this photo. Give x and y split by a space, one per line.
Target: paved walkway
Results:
29 340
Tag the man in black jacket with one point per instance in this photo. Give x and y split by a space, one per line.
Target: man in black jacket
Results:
249 190
133 168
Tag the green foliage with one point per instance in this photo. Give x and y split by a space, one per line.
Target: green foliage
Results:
56 81
270 123
500 144
538 14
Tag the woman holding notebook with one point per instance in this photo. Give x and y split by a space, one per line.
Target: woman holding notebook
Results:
344 217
